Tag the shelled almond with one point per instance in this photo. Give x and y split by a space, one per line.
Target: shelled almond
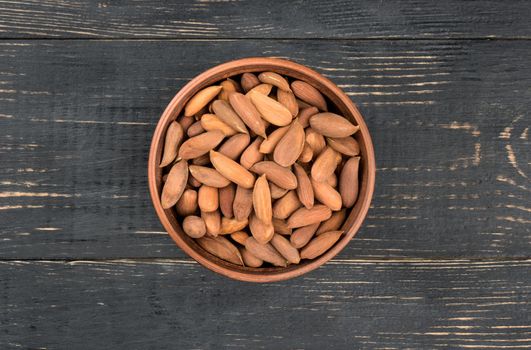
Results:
261 170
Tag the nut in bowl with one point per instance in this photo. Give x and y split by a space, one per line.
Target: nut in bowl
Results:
261 169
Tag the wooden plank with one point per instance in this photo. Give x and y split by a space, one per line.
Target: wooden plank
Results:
448 121
347 304
273 19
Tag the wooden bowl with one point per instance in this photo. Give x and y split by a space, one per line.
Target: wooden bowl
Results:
343 105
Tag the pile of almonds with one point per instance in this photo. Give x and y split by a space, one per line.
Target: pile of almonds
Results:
260 171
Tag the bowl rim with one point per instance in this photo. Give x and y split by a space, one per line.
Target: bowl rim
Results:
223 71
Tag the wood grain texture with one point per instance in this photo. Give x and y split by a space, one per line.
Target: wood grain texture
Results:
346 304
448 120
260 19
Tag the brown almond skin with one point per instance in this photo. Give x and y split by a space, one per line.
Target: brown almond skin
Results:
303 104
239 236
276 191
305 189
248 113
249 81
262 200
345 145
195 129
226 113
212 122
243 203
269 144
281 227
193 182
348 182
303 217
325 165
212 222
286 205
208 198
175 184
305 114
309 94
231 170
249 259
172 141
332 180
327 195
320 244
264 89
266 252
290 146
274 79
287 99
201 160
306 154
334 223
270 109
235 145
284 247
201 99
332 125
208 176
194 226
301 236
261 231
227 87
232 225
252 155
200 144
222 248
186 122
280 176
316 141
187 204
226 200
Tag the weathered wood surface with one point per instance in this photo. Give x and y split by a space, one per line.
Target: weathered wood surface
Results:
347 304
264 19
448 119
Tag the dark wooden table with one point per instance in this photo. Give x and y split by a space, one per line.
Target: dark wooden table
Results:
442 261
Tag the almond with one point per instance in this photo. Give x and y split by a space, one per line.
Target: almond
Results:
174 137
221 248
325 165
261 231
303 104
277 174
201 160
305 114
208 198
249 81
225 112
200 144
195 129
306 154
332 180
348 181
212 222
316 141
187 204
305 189
345 145
320 244
235 145
231 170
303 216
252 155
249 259
287 99
239 236
276 192
270 109
243 203
211 122
201 99
194 226
286 205
208 176
186 122
248 113
301 236
262 200
283 246
226 200
281 227
327 195
334 223
290 146
193 182
269 144
175 184
274 79
232 225
332 125
227 87
309 94
266 252
264 89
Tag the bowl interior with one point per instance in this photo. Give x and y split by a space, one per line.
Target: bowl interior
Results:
341 105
